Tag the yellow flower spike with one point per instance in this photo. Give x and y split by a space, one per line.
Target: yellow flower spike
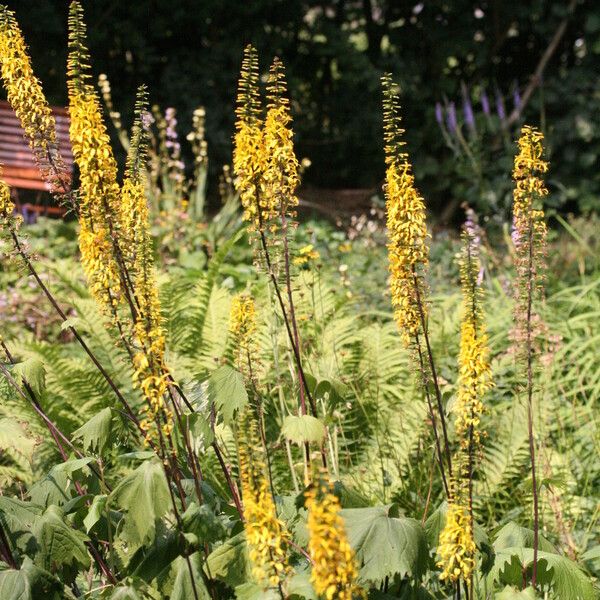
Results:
408 251
25 94
249 158
266 534
242 319
334 571
529 227
281 171
99 198
7 207
151 374
474 371
456 547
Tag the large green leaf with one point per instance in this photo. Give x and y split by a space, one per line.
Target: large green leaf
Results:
96 432
58 544
151 560
183 589
513 593
33 371
229 562
227 390
300 587
202 522
55 487
14 585
385 543
512 535
95 512
253 591
555 572
126 593
303 428
144 495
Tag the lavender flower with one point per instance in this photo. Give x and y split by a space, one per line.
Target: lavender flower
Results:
439 115
500 106
485 103
468 113
451 117
516 97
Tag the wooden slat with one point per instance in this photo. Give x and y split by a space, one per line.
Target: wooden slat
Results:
20 172
26 184
19 167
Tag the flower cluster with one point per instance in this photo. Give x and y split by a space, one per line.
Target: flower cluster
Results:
407 231
456 546
529 227
306 254
242 320
474 372
99 190
334 571
281 173
26 96
151 372
264 161
266 534
249 158
7 207
114 236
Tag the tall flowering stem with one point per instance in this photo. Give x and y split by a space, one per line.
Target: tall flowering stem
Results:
334 572
457 545
408 255
26 96
99 194
267 178
151 372
529 237
266 534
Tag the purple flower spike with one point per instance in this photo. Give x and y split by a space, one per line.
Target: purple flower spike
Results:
451 118
485 104
500 106
517 97
439 115
468 112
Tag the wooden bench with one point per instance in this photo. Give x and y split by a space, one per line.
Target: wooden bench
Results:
19 169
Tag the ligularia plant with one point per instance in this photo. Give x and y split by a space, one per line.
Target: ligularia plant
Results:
198 420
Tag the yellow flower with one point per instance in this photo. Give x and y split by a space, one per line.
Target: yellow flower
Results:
151 373
99 191
249 158
529 227
408 252
281 170
26 96
242 320
306 254
7 207
474 372
334 572
456 547
266 534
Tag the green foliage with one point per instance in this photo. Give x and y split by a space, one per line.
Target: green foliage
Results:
386 544
303 428
144 495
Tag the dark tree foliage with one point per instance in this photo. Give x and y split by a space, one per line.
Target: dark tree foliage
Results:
188 52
